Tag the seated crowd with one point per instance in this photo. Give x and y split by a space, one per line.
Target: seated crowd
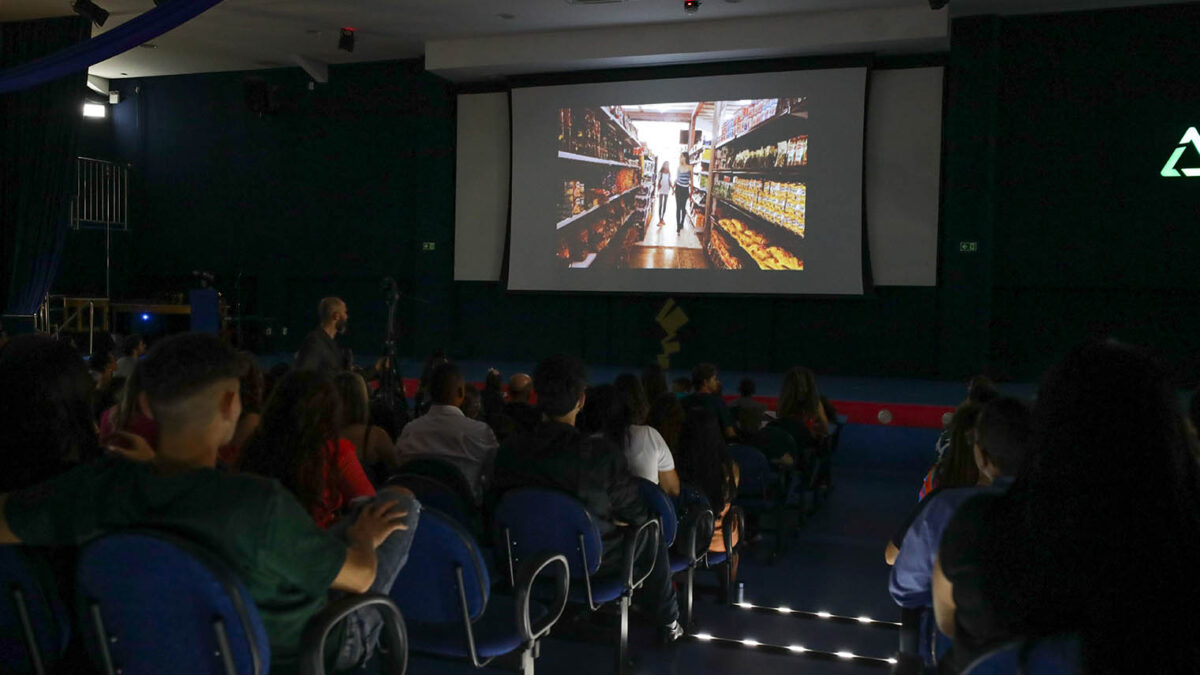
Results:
1027 525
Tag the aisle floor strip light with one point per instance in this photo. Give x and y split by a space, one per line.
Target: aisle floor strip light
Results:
750 643
822 615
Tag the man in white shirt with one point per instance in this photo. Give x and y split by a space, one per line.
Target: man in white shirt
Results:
650 457
447 433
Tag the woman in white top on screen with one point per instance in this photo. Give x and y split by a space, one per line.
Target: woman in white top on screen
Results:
662 188
647 452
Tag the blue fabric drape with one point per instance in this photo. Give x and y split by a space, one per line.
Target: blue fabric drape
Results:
39 130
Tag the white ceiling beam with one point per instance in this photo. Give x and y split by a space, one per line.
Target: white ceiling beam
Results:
98 84
317 70
905 30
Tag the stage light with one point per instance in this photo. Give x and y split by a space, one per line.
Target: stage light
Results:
346 41
145 317
691 6
90 11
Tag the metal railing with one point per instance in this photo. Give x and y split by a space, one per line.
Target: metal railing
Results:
101 194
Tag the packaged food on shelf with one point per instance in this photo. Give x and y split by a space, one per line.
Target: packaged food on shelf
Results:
765 254
721 255
783 204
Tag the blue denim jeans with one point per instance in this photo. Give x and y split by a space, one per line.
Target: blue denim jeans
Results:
363 627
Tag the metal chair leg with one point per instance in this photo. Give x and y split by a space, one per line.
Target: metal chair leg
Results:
623 636
689 597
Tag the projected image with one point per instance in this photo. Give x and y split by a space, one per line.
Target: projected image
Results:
703 185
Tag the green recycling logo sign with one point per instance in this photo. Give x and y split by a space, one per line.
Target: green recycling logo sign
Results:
1192 137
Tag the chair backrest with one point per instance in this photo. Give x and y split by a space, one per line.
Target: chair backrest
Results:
428 589
441 470
433 492
660 505
538 519
151 602
1051 656
32 614
754 467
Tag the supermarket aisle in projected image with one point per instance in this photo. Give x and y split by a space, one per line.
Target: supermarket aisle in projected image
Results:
696 185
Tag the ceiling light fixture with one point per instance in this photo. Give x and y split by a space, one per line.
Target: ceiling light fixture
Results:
90 11
691 6
346 41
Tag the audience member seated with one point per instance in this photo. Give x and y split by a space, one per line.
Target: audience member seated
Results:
472 405
129 415
706 392
519 414
681 386
648 454
131 348
372 444
424 398
558 455
251 392
800 414
654 381
446 432
999 446
748 414
492 398
666 417
956 469
980 391
1069 549
705 462
287 564
297 444
103 367
46 422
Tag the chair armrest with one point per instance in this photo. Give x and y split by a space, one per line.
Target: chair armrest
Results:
698 533
527 574
394 635
648 531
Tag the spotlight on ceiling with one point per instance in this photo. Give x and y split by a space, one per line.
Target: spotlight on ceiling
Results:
90 11
346 41
937 4
691 6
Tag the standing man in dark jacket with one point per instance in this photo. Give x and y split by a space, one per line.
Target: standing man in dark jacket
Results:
318 351
557 455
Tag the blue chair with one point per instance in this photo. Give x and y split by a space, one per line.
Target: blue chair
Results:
436 494
35 627
445 591
1051 656
761 491
531 521
691 548
699 514
151 601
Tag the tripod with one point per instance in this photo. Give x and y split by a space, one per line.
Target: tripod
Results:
392 405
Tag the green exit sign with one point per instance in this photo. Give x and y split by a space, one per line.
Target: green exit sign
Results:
428 246
968 246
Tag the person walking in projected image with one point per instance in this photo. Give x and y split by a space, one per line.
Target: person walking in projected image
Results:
683 189
662 188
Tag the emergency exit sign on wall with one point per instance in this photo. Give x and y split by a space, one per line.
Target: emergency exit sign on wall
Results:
968 246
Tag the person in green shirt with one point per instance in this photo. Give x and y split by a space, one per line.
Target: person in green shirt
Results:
706 387
288 564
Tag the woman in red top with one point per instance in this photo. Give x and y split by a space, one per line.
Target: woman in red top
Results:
297 443
127 414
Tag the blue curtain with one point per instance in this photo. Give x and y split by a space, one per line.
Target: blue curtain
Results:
39 130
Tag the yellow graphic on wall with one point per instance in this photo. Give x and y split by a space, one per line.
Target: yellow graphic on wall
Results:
671 317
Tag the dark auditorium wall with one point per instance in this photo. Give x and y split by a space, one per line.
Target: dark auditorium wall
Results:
1078 113
1047 167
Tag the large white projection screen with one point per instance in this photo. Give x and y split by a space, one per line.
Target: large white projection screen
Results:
728 184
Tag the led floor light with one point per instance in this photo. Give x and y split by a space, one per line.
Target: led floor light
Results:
823 615
792 650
